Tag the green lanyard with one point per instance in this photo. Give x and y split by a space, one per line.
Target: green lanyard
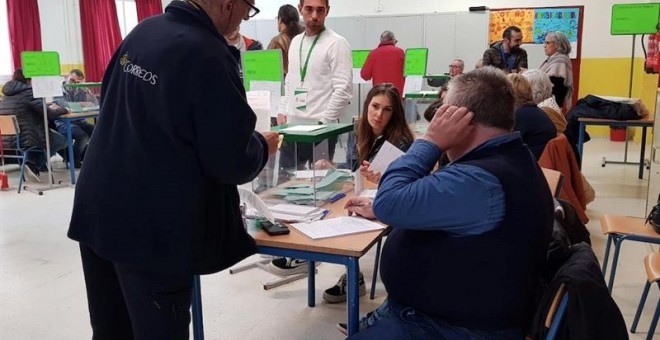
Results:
303 69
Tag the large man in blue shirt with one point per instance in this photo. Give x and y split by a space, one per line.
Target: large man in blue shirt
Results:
157 202
468 242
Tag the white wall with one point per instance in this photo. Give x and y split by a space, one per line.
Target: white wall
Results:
60 22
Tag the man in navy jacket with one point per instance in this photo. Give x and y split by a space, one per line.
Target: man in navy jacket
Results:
156 202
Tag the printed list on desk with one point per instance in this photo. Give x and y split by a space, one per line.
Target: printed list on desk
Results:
338 226
387 154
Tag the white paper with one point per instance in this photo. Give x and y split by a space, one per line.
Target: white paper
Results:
338 226
369 193
303 128
573 54
305 174
254 201
43 87
413 84
293 209
275 89
357 78
259 101
387 154
358 184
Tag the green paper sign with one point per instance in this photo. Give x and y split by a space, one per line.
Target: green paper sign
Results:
416 59
360 57
40 64
263 65
629 19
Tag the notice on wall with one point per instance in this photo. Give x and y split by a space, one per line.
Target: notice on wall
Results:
500 20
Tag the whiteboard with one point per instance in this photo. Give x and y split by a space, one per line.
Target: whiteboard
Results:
471 37
266 30
439 33
409 30
350 28
535 55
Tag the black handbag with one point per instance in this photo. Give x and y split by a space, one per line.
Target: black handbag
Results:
654 216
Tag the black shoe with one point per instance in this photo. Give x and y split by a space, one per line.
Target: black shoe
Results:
337 293
285 266
32 172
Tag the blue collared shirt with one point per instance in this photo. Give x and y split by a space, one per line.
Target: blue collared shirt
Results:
460 199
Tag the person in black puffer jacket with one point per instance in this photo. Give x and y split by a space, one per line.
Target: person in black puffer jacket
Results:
19 101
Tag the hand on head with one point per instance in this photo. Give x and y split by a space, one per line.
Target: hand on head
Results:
449 127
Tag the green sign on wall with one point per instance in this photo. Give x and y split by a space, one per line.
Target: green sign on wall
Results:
629 19
416 59
360 57
40 64
263 65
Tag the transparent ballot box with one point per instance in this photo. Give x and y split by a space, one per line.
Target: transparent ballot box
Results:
80 97
303 171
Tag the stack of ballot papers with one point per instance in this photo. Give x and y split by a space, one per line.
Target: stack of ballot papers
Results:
297 213
338 226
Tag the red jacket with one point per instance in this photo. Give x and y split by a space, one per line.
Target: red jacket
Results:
385 65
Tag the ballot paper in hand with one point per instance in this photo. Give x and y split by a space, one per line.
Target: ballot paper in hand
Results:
387 154
259 101
275 89
338 226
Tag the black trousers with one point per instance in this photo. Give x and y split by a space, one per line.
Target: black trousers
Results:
127 303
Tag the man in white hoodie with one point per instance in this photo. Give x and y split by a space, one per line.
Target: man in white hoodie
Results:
319 85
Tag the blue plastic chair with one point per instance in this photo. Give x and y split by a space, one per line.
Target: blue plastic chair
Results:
652 265
9 128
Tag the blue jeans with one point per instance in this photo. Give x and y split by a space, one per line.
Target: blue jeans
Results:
81 131
391 320
57 143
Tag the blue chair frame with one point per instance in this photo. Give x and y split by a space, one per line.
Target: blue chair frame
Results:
21 153
558 318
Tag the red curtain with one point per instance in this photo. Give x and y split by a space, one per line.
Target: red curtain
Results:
100 35
147 8
24 28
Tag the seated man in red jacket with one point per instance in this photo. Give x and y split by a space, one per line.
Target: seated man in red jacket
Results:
385 63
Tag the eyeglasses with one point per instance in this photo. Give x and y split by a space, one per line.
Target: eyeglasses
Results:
455 66
253 10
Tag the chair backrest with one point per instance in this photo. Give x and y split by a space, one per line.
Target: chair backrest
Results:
556 313
555 181
9 125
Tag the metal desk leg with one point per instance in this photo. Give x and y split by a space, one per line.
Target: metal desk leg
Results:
607 253
197 318
69 140
641 155
615 260
311 284
353 300
581 142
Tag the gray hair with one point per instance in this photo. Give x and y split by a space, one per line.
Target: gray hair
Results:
460 61
541 84
487 93
387 36
560 40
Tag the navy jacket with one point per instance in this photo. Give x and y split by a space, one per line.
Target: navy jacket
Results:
536 128
175 136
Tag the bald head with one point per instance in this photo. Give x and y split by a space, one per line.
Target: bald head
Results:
387 36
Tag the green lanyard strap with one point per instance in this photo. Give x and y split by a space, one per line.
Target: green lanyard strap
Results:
303 69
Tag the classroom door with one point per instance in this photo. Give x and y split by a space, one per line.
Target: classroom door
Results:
654 174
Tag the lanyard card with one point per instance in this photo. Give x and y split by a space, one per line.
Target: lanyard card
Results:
300 99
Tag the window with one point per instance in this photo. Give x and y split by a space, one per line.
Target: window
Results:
6 67
127 15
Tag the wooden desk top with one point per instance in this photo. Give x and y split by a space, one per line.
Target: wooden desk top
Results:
79 115
600 121
350 245
626 225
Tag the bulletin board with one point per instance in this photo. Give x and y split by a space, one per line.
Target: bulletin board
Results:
536 22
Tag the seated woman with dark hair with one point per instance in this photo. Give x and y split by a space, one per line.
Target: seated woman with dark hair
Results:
383 119
535 127
18 100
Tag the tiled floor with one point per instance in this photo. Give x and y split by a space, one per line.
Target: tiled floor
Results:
42 294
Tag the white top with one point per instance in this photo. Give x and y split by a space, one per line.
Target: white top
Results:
329 79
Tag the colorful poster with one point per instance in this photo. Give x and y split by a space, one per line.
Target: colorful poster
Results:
500 20
564 20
